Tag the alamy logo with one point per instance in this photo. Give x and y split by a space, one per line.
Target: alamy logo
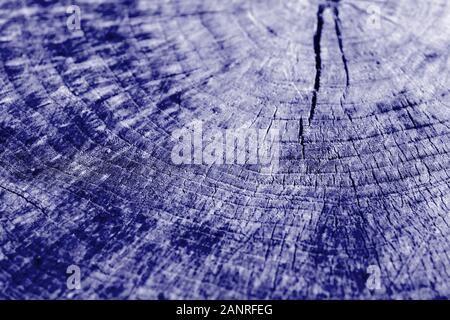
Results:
244 146
374 19
74 280
374 280
74 20
296 6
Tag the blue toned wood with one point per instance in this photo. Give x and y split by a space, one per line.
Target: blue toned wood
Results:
86 176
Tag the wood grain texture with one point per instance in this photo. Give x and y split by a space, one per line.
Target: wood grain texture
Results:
86 176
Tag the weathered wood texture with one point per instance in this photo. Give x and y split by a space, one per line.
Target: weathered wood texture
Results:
86 176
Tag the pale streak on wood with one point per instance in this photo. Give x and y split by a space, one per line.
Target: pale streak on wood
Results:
86 176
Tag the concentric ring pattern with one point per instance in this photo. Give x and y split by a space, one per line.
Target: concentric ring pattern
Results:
359 91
